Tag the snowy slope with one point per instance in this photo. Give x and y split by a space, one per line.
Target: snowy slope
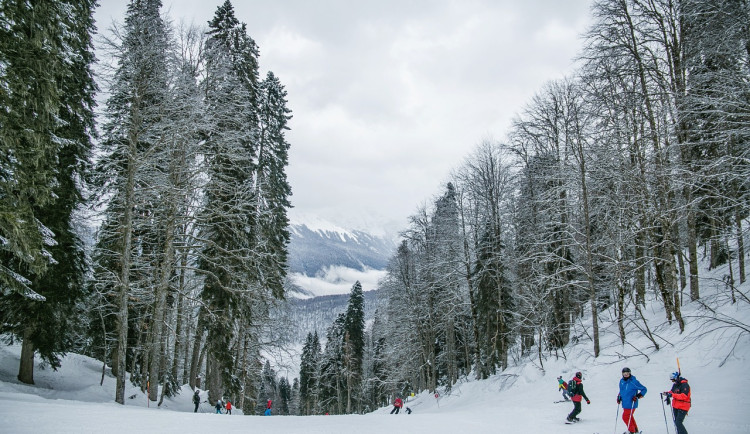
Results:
519 400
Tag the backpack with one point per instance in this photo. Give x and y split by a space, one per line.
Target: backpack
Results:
572 386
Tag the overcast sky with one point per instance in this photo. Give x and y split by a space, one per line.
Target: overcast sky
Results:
389 95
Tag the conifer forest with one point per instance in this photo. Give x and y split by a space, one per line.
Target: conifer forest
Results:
144 200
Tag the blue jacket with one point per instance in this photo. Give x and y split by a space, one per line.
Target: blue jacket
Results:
628 389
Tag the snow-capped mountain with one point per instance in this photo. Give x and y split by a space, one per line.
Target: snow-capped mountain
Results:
314 250
327 259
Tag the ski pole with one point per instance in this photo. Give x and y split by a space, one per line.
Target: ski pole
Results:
617 416
666 425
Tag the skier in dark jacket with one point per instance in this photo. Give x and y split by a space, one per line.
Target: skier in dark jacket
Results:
631 390
578 395
680 399
196 400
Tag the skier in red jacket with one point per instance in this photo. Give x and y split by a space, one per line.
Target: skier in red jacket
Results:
680 397
397 404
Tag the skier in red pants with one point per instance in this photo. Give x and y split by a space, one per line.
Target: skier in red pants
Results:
631 390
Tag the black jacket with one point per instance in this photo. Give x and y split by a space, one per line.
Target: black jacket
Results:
579 392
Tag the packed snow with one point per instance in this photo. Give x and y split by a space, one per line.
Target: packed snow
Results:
713 357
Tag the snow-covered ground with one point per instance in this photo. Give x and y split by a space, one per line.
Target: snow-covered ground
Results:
519 400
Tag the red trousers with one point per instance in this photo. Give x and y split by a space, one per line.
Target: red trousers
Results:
627 417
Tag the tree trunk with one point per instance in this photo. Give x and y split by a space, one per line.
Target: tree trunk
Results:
640 267
115 366
213 379
730 281
740 247
177 350
138 353
195 362
154 355
243 371
621 311
680 259
162 288
187 354
124 287
693 253
161 375
26 365
201 365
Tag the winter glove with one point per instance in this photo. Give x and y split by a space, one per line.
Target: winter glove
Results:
588 402
619 399
639 396
669 394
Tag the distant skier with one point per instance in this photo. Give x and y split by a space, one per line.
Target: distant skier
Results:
631 390
680 397
219 405
397 404
229 407
562 385
196 400
268 407
408 410
578 394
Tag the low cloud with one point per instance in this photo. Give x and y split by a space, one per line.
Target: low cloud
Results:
338 280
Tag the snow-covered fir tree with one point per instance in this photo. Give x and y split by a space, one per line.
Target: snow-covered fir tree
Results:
47 122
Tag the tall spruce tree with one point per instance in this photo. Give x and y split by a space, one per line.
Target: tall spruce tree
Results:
131 133
272 190
354 345
65 72
331 381
32 53
229 220
308 375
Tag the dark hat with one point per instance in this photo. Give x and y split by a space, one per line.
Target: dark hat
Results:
579 375
624 370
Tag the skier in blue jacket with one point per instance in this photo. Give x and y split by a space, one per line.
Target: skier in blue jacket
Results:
631 390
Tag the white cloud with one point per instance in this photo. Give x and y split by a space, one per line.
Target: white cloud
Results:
338 280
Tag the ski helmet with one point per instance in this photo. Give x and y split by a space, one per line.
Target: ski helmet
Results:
674 376
624 370
579 375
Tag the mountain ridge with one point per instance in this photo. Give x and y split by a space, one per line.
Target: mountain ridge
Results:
313 249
